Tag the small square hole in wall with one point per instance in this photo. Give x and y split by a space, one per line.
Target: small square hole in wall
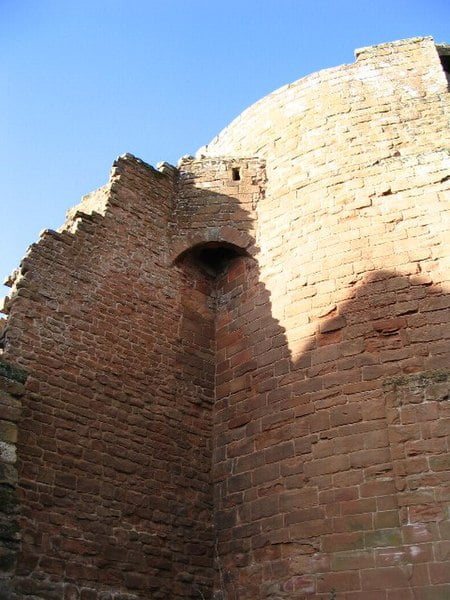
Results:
236 174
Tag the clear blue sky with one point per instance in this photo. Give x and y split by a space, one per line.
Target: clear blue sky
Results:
86 80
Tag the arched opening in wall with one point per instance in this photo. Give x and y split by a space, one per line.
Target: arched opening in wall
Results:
212 258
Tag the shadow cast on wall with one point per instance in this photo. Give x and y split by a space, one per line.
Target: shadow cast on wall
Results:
329 470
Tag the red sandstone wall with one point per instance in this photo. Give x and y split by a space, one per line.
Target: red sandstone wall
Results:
329 486
325 347
331 477
115 432
114 450
212 207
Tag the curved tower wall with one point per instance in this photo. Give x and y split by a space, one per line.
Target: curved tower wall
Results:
330 444
351 153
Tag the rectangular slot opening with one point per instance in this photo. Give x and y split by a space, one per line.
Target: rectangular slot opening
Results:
445 61
444 55
236 174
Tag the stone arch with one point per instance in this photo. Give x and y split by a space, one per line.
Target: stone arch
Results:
212 258
225 236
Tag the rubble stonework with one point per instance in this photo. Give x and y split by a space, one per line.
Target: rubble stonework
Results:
238 369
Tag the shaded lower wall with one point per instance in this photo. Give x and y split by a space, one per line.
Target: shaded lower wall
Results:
114 434
11 392
331 469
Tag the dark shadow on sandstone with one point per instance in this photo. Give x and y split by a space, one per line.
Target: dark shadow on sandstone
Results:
307 466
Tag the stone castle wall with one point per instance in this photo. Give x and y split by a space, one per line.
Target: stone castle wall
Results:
114 438
238 369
